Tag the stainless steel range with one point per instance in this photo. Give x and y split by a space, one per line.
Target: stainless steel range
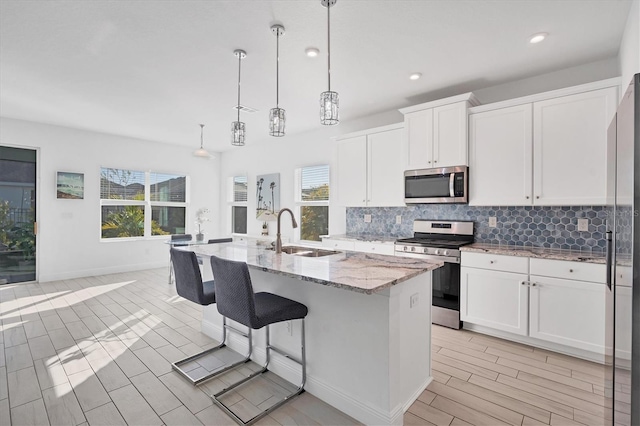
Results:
440 240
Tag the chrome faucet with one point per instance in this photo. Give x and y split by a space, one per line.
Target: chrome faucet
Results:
293 222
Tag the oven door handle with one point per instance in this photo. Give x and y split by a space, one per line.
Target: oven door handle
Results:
452 177
446 259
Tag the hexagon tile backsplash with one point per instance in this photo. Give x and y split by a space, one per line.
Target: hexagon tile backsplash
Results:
549 227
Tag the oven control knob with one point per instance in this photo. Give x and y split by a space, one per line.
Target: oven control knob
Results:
413 249
405 248
446 253
425 250
436 252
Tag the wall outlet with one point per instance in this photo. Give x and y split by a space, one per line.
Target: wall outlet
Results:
289 328
367 218
414 299
493 222
398 219
583 225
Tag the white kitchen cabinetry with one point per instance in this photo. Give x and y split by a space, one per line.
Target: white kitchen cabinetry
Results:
436 132
500 157
370 168
555 301
570 148
547 149
492 294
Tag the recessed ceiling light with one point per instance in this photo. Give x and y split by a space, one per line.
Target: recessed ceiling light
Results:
312 52
537 38
415 76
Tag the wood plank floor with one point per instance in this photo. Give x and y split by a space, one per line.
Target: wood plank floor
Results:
97 351
482 380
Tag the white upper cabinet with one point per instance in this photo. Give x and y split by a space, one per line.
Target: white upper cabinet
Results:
570 148
418 128
386 169
436 132
551 151
371 168
494 137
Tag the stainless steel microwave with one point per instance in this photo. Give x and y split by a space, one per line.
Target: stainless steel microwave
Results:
437 186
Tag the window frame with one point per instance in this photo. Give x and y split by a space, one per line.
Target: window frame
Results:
147 205
299 203
233 203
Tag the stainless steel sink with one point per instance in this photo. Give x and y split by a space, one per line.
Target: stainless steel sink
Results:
307 251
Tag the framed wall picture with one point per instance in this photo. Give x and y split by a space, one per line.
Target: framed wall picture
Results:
70 185
268 197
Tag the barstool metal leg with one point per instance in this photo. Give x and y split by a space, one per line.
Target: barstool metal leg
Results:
269 347
176 365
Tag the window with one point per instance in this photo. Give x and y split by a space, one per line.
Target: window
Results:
238 191
138 204
313 201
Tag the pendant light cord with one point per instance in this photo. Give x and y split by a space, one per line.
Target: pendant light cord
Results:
278 68
239 65
201 138
329 44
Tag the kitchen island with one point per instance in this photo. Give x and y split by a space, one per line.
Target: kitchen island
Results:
368 330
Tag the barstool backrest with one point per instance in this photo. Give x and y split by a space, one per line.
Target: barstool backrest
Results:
234 291
188 278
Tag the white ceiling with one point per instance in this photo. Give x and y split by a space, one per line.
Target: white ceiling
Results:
155 69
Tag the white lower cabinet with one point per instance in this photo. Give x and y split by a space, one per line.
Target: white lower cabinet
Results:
361 246
494 299
538 301
568 312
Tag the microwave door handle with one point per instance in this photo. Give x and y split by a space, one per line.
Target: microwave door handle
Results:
451 180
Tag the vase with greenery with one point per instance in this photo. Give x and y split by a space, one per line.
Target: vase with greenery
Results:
201 218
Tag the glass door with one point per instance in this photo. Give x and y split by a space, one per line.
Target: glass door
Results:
17 215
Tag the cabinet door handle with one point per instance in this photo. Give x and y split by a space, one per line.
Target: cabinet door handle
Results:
533 285
435 161
429 162
527 197
570 270
492 262
537 197
523 283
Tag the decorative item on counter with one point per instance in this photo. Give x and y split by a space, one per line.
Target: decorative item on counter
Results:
201 219
268 197
265 228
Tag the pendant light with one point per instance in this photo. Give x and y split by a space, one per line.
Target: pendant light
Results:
329 99
201 152
277 115
237 127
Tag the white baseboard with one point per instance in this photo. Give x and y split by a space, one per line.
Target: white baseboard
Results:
115 269
525 340
416 394
336 397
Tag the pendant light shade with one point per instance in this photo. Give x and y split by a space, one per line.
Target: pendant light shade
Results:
201 152
277 118
329 100
238 127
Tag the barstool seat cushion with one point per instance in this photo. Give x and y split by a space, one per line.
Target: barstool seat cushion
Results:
271 308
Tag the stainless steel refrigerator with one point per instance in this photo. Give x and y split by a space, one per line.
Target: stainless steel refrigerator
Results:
622 379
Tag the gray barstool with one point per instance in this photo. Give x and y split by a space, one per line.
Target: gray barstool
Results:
189 285
177 240
236 300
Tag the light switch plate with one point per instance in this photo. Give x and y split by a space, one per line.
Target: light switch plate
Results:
398 219
367 218
583 225
413 300
493 222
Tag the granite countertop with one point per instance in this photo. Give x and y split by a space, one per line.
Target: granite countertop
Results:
359 272
537 252
363 237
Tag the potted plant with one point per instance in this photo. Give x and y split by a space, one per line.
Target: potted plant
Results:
201 218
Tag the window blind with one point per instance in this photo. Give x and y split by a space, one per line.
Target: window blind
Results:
119 184
315 183
239 189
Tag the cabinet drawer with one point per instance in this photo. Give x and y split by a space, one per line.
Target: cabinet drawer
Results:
495 262
378 248
569 270
338 244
